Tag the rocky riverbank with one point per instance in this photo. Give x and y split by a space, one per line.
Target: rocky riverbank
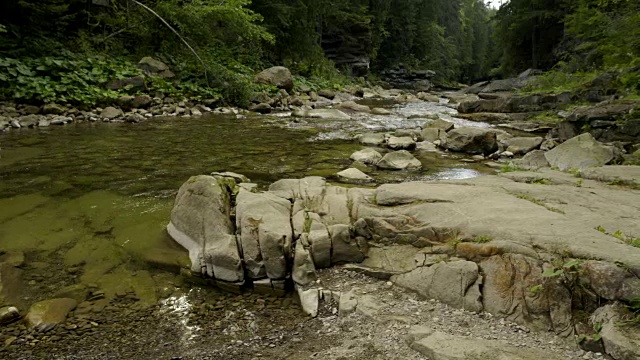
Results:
531 258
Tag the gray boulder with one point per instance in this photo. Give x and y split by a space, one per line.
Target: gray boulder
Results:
111 113
366 156
262 108
438 124
399 160
401 143
303 271
53 109
201 223
620 342
278 76
432 134
471 140
581 152
264 233
152 66
533 160
522 145
437 282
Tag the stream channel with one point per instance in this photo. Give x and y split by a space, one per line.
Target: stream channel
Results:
87 204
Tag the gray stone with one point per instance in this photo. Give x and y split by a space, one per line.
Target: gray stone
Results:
264 233
426 146
372 139
533 160
399 160
438 124
354 176
278 76
454 283
303 271
366 156
46 315
111 113
620 342
610 281
401 143
329 94
53 109
262 108
581 152
309 300
324 114
522 145
152 66
344 247
432 134
380 111
472 140
9 314
141 101
352 105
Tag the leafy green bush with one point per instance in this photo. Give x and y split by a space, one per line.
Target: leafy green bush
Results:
76 79
62 79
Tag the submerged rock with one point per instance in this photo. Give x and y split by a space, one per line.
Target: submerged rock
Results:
45 315
324 114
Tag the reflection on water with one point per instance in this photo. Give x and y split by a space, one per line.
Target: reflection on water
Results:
87 204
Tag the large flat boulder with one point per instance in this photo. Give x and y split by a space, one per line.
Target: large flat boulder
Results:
442 346
581 152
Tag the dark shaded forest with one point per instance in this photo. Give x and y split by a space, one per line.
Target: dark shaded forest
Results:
57 50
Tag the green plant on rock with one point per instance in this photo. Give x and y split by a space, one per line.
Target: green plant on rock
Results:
571 267
510 167
482 239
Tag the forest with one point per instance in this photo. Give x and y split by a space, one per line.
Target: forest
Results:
65 50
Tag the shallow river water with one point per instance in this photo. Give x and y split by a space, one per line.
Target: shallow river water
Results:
88 203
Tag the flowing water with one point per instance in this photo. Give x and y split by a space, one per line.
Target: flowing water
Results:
88 203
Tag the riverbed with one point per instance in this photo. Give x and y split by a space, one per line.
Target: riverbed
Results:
86 204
